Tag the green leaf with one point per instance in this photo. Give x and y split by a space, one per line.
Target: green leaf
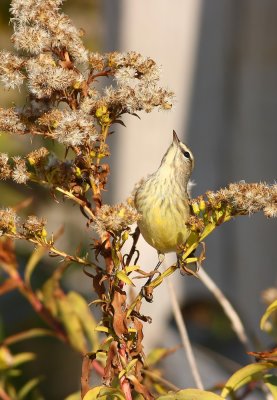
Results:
207 230
157 281
80 306
104 393
243 376
131 364
156 355
93 393
72 324
190 394
124 278
22 358
101 328
6 358
271 383
49 300
28 387
31 333
110 394
270 309
33 261
131 268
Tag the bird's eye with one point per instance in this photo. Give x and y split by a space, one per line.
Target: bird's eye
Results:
186 154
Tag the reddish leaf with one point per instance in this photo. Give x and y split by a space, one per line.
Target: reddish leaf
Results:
119 306
138 326
98 285
111 364
140 388
270 355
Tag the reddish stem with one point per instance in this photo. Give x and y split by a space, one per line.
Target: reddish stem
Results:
4 395
124 383
98 368
102 73
86 368
39 307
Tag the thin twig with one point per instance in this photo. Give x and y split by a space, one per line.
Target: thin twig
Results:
184 336
160 379
133 248
52 249
227 307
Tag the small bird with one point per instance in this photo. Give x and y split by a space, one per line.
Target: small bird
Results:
163 200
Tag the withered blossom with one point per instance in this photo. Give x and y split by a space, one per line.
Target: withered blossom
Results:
196 223
248 198
19 171
126 75
50 118
132 59
11 75
10 121
33 226
5 170
74 127
45 76
8 221
34 39
34 157
137 98
115 218
42 22
97 61
90 102
66 35
32 10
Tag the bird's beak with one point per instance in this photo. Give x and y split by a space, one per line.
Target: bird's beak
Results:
176 140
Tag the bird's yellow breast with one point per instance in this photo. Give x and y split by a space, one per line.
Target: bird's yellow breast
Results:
163 223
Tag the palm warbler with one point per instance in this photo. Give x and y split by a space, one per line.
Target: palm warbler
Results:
163 201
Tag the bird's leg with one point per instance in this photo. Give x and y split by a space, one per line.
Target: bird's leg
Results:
146 290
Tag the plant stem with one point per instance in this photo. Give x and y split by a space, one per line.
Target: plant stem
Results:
184 336
124 383
86 368
160 379
227 307
4 395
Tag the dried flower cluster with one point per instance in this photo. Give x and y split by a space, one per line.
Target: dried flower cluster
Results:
16 169
247 198
8 221
10 121
115 219
58 69
40 26
241 198
33 227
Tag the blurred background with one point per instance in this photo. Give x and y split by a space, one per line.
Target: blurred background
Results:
220 59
